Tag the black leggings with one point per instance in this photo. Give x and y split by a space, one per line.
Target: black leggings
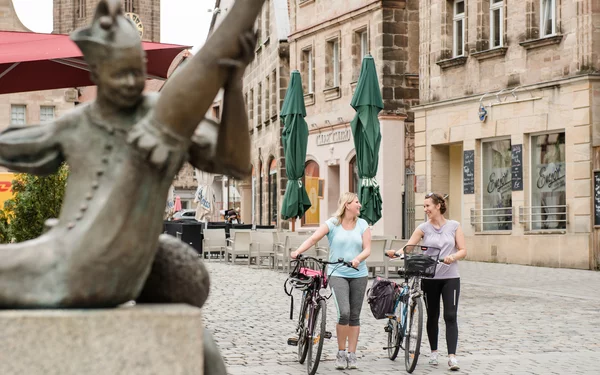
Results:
449 290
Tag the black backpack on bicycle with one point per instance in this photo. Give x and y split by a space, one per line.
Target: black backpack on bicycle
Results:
381 298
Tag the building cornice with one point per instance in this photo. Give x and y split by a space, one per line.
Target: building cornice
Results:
534 86
342 18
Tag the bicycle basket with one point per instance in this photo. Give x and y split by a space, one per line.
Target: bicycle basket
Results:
381 298
421 261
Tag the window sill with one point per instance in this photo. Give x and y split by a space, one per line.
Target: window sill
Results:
494 232
449 63
266 42
274 116
490 53
305 2
258 47
546 231
542 42
332 93
309 99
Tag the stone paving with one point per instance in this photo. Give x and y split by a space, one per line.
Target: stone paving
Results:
512 320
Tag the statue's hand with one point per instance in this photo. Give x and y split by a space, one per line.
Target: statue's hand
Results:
238 66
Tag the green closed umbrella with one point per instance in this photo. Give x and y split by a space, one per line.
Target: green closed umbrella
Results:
295 140
367 103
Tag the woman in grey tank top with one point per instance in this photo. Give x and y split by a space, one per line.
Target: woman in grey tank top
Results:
447 235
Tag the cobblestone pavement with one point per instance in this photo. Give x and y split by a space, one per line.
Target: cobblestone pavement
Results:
512 320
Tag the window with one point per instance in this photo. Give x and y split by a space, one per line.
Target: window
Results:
497 185
459 28
360 48
129 6
307 65
216 112
253 195
273 93
251 105
260 193
17 114
548 182
333 63
267 17
273 191
547 17
364 43
234 200
267 99
353 173
259 105
496 23
310 182
80 8
46 113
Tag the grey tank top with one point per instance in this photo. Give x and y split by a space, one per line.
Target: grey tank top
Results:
444 239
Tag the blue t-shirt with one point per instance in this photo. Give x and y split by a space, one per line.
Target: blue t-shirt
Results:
346 244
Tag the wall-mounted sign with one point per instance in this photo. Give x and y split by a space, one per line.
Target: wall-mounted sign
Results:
469 172
482 113
335 136
517 167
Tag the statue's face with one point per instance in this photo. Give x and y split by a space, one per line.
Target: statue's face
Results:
121 79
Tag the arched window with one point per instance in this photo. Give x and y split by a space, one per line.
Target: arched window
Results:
353 175
273 191
310 182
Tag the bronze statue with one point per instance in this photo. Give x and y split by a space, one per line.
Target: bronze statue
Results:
123 150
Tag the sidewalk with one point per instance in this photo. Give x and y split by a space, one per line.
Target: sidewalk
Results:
512 320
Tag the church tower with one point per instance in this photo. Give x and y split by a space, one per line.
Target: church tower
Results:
71 14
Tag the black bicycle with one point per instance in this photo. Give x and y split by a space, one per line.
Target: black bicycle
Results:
311 327
405 324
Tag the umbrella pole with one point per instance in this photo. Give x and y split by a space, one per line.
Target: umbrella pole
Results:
293 224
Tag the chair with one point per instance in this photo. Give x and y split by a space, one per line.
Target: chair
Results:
240 247
377 257
213 242
261 246
282 251
233 231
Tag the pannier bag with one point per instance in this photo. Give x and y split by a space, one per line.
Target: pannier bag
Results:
381 298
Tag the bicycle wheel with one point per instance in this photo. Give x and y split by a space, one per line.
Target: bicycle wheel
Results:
302 328
395 331
316 337
414 332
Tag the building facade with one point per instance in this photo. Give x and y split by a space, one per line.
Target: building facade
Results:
508 126
34 107
328 40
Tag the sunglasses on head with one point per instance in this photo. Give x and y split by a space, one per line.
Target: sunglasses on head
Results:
429 195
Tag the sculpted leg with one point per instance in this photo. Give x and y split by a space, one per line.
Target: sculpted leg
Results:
178 275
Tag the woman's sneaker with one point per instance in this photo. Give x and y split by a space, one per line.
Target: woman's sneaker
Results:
433 359
352 361
341 361
453 364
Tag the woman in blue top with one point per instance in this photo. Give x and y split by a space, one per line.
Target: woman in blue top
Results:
349 238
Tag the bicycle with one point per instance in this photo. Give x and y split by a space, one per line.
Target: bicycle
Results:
311 327
405 324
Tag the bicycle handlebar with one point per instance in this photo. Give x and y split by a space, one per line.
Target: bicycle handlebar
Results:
401 257
339 261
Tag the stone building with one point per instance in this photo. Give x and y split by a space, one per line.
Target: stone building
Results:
508 126
29 107
327 42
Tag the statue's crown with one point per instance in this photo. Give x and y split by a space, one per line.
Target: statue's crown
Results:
110 30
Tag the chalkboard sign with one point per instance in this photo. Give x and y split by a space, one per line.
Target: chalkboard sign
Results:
517 167
596 197
469 172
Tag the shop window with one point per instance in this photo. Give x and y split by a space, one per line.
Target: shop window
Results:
310 182
548 181
497 185
458 20
547 17
496 23
353 175
273 191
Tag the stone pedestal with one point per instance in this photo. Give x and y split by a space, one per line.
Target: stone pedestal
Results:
135 340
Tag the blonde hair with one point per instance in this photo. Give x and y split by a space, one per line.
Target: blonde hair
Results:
345 198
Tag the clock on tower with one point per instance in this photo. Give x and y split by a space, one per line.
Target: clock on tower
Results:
137 21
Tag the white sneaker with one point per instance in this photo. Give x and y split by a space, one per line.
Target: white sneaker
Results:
433 359
352 365
341 361
453 364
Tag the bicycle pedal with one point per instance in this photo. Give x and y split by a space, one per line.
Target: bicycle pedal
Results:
327 335
293 341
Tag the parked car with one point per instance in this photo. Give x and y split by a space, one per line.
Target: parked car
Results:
185 215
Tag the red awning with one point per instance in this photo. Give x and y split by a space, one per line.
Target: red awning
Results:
33 61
